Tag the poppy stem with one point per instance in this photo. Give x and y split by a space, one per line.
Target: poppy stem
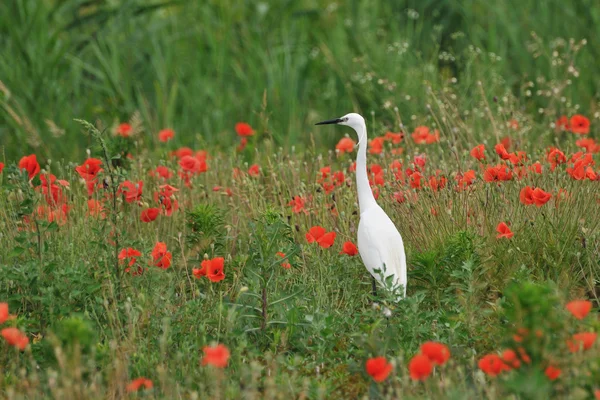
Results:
264 308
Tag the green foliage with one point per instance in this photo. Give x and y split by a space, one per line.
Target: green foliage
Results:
206 232
269 235
105 60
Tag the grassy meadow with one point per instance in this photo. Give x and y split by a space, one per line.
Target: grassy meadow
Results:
161 177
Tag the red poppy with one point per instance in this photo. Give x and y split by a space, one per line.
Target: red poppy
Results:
52 192
492 364
502 152
200 272
509 357
162 172
584 340
420 367
326 240
165 191
555 157
338 178
562 123
95 208
506 142
466 179
29 163
552 372
131 191
579 308
517 158
1 167
540 197
243 143
396 167
89 169
375 169
588 144
284 264
421 135
520 172
168 203
161 258
4 314
535 196
217 356
345 145
15 337
400 197
166 134
395 138
320 236
124 129
182 152
376 145
415 180
325 171
437 353
503 231
521 333
243 129
129 255
166 198
478 152
349 248
138 383
523 355
298 204
315 233
419 161
498 173
536 167
192 164
51 214
579 124
526 195
581 161
377 179
378 368
254 170
437 182
212 269
433 138
149 214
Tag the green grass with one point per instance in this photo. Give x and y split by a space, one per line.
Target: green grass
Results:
307 331
198 66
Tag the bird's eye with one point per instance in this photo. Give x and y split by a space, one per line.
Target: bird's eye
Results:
346 119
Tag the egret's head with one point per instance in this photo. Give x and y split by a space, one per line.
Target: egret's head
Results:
352 120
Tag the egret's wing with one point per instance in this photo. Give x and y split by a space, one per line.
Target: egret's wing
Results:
381 247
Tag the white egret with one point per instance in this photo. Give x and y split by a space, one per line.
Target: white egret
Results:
379 242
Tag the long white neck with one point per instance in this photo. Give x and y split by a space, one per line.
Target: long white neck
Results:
365 195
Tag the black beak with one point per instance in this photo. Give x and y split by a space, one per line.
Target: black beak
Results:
329 121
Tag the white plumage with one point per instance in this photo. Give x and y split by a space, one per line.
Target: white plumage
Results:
379 242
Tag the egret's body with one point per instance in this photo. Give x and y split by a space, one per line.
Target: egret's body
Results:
379 242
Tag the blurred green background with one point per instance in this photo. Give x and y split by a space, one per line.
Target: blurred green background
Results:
200 66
